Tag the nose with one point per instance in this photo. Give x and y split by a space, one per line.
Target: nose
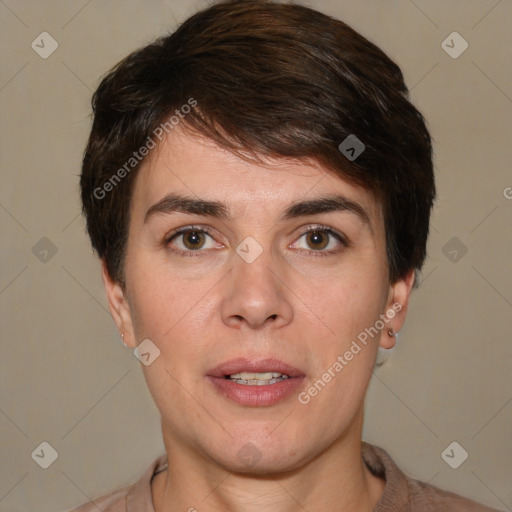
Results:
256 294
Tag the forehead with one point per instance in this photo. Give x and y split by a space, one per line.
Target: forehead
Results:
190 165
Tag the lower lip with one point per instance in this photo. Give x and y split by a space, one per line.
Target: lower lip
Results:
256 396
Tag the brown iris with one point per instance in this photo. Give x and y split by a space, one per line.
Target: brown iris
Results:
315 237
196 239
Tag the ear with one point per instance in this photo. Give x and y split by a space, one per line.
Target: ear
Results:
396 308
119 307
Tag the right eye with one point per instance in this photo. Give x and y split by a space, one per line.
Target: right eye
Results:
189 240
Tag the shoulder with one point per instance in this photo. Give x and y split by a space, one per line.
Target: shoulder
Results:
405 494
111 502
132 498
428 498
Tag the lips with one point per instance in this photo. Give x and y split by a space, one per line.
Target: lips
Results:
254 366
255 395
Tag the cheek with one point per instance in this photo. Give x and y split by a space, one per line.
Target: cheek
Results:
348 300
164 302
171 312
345 352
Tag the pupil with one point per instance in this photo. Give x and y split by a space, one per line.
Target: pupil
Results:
194 237
316 237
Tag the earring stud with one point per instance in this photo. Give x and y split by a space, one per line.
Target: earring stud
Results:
391 332
122 339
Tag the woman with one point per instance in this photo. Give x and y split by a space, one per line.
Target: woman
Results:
258 188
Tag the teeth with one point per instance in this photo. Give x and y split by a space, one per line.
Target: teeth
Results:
258 379
249 376
256 382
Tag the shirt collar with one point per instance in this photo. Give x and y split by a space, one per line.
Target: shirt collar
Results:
395 497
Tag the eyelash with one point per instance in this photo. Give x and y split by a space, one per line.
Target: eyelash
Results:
201 253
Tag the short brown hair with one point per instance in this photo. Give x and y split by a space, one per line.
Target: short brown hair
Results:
270 79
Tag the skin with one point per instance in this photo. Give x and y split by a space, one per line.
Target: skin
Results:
289 303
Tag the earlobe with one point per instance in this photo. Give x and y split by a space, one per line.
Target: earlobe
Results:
388 338
118 306
396 309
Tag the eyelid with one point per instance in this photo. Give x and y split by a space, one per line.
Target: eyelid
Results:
185 229
320 227
342 239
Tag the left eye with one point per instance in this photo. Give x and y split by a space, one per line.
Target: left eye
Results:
319 239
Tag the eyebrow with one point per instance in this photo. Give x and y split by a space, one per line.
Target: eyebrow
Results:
173 203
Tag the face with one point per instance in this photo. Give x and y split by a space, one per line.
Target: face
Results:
258 301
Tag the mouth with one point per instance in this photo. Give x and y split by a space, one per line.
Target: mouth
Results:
257 379
255 382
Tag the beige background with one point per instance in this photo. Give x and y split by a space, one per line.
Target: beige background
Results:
66 377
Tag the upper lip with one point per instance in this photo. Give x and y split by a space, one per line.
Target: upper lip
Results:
243 364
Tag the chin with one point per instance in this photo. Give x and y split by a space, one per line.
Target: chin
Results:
261 457
263 466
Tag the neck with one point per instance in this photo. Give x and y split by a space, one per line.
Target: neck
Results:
335 480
